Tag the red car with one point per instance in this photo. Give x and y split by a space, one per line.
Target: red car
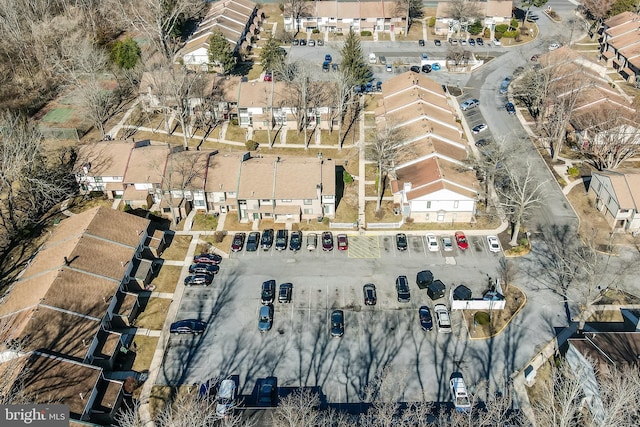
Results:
461 240
238 242
268 77
343 243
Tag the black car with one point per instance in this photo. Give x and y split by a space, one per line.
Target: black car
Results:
282 236
207 259
303 42
252 241
415 69
295 243
325 66
295 42
202 268
511 109
320 42
267 392
426 321
369 291
401 242
424 279
238 242
267 239
480 41
426 68
421 42
327 241
437 42
188 326
337 323
268 291
284 296
198 279
482 142
402 287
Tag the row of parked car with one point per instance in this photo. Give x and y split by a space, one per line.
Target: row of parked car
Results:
282 239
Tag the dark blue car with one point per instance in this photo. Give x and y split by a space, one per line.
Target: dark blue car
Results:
188 326
426 321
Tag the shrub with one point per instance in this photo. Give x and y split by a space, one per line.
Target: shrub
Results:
234 122
218 236
379 214
475 28
514 23
498 35
510 34
523 242
487 33
365 33
482 318
573 171
409 220
251 145
501 28
339 34
315 31
346 177
432 22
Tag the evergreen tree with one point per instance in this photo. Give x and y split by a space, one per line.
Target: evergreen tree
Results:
220 52
272 55
353 62
125 53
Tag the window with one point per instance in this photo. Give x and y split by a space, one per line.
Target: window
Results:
98 179
308 201
286 200
440 216
307 211
429 205
265 200
455 204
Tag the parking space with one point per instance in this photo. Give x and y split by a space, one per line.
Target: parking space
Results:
299 349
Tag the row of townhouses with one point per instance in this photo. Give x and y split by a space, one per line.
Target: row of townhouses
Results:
620 44
153 175
63 323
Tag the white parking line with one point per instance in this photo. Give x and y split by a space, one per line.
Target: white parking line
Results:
424 245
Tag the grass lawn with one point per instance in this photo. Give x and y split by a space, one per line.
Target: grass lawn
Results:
329 138
293 137
262 136
254 73
154 314
370 172
163 394
83 203
371 191
224 246
235 133
347 210
178 249
167 279
385 214
371 103
232 223
145 347
204 222
514 301
540 387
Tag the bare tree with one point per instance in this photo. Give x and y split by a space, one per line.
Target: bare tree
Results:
464 12
598 9
160 21
384 151
297 9
563 402
490 166
298 409
340 100
609 135
30 182
521 196
183 174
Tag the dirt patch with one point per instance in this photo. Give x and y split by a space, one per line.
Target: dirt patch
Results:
347 209
499 319
144 348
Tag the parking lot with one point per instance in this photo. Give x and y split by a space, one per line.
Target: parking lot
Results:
299 349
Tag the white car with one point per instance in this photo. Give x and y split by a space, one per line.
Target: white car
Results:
497 42
479 128
494 243
226 398
459 393
432 243
443 319
447 244
554 46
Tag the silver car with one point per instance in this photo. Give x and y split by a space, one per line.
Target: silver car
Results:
447 244
265 319
312 241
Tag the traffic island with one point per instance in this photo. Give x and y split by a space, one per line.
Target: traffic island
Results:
483 324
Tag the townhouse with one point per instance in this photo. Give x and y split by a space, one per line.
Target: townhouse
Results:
59 321
237 20
432 181
341 17
183 183
616 195
491 13
284 189
620 44
264 105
